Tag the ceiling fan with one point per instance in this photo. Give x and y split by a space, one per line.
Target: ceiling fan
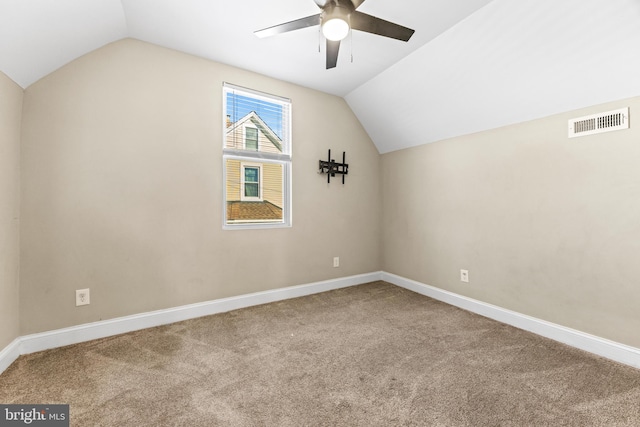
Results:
336 19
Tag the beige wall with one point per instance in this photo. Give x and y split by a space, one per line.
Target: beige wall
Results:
547 226
122 190
10 116
122 193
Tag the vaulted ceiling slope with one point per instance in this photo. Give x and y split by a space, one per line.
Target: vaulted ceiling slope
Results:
471 64
39 36
511 61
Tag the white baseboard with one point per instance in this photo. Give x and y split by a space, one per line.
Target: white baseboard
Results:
9 354
90 331
593 344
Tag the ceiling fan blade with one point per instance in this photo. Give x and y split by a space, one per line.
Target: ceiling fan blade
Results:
371 24
322 3
332 53
357 3
298 24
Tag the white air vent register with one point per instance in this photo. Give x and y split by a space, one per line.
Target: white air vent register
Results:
599 123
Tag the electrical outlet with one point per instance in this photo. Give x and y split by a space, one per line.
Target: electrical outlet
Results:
336 261
82 297
464 276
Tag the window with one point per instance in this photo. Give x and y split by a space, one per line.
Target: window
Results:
256 159
251 183
251 138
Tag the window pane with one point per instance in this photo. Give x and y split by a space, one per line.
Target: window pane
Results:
251 174
251 138
251 190
254 191
267 117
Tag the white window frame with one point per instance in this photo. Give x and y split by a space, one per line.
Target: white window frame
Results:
249 157
243 196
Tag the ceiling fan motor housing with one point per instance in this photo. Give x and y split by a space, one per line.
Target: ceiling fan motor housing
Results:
336 11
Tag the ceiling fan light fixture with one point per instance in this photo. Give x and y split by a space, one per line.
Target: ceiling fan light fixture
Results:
335 21
335 28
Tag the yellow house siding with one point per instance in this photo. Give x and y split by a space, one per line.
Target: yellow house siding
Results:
265 145
272 187
233 180
235 139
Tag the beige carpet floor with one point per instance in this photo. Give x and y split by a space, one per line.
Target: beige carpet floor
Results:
370 355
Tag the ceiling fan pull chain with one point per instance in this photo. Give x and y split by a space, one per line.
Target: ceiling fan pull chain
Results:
350 37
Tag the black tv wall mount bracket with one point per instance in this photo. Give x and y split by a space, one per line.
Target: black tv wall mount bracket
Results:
331 168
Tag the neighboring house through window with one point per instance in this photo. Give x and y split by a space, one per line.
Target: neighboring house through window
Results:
256 159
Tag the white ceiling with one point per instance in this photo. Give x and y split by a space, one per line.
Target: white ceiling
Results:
471 65
510 62
39 36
